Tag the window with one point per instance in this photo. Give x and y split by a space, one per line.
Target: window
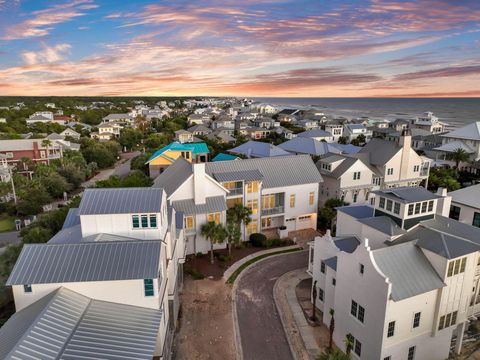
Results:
253 205
252 227
424 207
456 266
447 320
410 209
361 313
430 205
321 294
357 311
135 221
153 220
381 203
355 196
189 223
148 287
416 319
268 201
391 329
334 281
357 348
362 269
322 267
417 208
292 200
396 208
144 219
252 187
390 171
411 353
354 308
389 205
215 217
27 288
476 219
311 198
454 213
387 358
416 168
356 175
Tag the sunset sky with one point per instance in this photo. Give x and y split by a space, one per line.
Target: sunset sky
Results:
314 48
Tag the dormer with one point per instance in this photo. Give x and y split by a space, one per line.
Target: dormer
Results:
407 206
330 163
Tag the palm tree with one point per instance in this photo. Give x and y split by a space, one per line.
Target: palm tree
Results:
458 155
237 215
215 233
333 355
348 343
46 143
331 328
233 235
26 162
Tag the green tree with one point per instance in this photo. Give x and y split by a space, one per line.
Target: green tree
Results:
348 343
233 235
459 155
130 138
327 213
32 203
56 185
237 215
333 355
214 233
137 178
8 259
443 177
331 329
342 140
37 234
139 163
46 143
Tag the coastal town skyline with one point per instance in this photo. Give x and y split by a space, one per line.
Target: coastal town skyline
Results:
263 48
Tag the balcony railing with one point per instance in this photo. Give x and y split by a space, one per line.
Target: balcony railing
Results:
273 211
235 191
192 231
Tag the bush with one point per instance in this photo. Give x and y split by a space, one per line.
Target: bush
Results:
224 258
258 240
195 274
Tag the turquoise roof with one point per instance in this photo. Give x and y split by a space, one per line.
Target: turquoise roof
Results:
195 148
224 157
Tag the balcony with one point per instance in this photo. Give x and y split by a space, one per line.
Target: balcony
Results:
235 191
273 211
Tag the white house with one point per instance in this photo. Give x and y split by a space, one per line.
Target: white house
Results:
280 191
41 117
428 122
465 206
317 134
401 293
122 118
335 128
115 263
352 131
70 132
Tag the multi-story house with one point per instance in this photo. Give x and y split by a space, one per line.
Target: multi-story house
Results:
34 149
466 138
258 149
334 128
379 164
122 118
192 152
317 134
465 206
428 122
108 131
402 279
255 132
352 131
113 270
280 191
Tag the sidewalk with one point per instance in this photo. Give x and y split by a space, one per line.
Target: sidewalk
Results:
301 336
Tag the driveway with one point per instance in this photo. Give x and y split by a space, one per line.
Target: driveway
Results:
261 330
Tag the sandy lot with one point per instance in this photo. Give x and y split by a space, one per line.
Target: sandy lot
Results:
206 324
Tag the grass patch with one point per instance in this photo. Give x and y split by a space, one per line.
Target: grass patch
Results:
237 272
7 224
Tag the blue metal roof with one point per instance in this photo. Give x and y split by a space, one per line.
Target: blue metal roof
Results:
195 148
224 157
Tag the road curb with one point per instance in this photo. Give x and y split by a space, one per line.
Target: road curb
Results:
236 328
301 342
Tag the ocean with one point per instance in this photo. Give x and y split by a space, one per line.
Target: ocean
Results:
456 112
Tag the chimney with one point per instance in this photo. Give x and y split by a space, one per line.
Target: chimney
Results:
199 183
443 204
405 143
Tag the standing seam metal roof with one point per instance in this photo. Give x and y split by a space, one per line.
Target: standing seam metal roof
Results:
212 204
278 171
88 261
121 201
247 175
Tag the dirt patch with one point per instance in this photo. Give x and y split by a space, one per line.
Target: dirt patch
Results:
206 323
222 261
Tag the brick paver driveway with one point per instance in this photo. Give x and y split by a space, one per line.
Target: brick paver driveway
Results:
261 330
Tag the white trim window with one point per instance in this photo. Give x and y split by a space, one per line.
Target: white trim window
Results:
144 221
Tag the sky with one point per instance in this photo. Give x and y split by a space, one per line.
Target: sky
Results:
288 48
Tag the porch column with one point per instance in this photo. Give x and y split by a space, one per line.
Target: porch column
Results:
459 342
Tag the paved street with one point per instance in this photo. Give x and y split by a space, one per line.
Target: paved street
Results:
261 330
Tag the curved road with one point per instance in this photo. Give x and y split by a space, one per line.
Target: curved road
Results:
261 330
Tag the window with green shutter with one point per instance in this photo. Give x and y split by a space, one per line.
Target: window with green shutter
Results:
135 222
148 287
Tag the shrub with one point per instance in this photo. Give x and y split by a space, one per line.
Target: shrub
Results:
258 240
283 227
224 258
194 273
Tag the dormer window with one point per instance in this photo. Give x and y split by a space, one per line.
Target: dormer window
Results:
144 221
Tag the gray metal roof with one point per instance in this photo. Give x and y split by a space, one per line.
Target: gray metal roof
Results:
383 224
357 211
174 176
246 175
340 169
68 325
258 149
380 151
278 171
307 145
470 131
408 194
70 235
314 133
408 269
72 218
469 196
212 204
347 244
446 237
331 262
87 261
121 201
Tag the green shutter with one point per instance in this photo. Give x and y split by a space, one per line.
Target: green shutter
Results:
148 287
